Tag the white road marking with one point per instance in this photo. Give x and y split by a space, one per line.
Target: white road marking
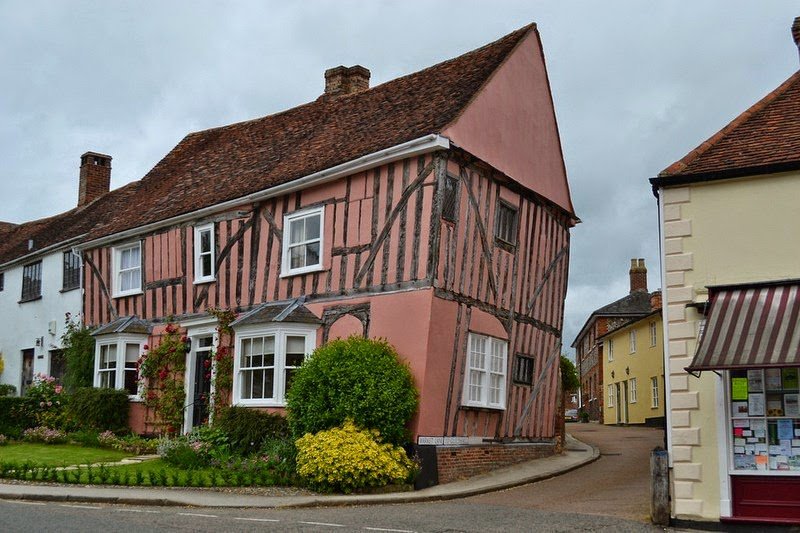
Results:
321 524
80 506
198 514
135 511
24 503
393 530
258 519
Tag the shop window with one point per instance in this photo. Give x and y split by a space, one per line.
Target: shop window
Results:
764 419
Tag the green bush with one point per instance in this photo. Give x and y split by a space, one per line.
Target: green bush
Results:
78 347
357 378
6 389
16 415
98 409
348 458
248 428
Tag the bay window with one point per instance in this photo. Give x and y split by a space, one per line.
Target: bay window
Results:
116 359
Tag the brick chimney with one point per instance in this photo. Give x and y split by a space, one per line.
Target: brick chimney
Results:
638 274
655 300
341 80
95 177
796 32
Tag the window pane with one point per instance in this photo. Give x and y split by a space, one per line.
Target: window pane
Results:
295 345
131 353
269 345
312 254
125 259
135 257
131 384
312 227
297 256
258 384
205 241
205 265
297 230
206 342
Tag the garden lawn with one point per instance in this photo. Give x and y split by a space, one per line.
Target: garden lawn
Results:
57 454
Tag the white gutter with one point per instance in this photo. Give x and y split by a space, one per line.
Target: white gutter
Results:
421 145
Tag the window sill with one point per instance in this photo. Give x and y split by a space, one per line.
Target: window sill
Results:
503 245
482 408
258 403
203 281
126 294
26 300
301 271
70 289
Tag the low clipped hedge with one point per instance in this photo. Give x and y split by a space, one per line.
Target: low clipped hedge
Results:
98 409
358 379
16 415
247 428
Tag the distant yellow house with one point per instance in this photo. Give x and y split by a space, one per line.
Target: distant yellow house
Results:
633 372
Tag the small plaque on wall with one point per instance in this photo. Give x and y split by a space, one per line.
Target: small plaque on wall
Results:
430 441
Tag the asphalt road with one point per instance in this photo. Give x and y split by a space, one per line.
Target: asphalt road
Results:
616 485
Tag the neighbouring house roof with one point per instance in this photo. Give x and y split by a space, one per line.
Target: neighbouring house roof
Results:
634 305
751 325
125 324
764 139
631 322
291 311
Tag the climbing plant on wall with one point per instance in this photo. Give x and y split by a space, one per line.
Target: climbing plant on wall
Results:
161 369
223 358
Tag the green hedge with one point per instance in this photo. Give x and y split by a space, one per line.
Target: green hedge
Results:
98 409
16 415
247 428
356 378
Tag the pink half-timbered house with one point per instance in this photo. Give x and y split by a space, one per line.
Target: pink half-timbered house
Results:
432 210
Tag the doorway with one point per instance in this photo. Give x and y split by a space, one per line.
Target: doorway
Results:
27 371
622 402
200 362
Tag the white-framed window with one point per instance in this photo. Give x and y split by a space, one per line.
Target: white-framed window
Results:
654 392
632 338
265 360
115 362
485 379
611 395
632 390
302 241
653 334
128 269
610 349
204 252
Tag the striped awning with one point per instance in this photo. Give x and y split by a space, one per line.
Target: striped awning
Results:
751 326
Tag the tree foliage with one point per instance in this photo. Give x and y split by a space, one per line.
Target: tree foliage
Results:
358 379
569 375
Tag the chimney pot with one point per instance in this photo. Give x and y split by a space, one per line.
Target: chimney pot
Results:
94 177
341 80
638 275
796 33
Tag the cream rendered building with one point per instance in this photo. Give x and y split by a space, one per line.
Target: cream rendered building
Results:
729 216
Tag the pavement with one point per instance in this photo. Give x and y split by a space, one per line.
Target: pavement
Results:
576 454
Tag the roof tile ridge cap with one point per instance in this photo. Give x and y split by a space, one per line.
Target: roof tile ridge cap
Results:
522 32
676 167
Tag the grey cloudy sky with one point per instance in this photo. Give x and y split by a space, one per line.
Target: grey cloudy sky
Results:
636 85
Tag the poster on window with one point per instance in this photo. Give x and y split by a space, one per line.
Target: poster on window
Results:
774 379
755 404
790 405
755 381
789 378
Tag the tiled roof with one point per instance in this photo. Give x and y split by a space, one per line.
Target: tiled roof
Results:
766 136
125 324
292 311
633 305
225 163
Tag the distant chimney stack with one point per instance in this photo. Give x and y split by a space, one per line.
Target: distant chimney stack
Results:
655 300
796 32
341 80
95 177
638 274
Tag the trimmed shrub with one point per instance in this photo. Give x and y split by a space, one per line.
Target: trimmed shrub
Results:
99 409
248 428
6 389
356 378
348 458
16 415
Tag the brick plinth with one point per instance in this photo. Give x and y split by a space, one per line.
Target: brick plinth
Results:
461 462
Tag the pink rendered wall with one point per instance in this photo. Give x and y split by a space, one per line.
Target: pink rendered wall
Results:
511 124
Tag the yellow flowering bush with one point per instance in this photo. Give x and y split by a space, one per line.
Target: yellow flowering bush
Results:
348 458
